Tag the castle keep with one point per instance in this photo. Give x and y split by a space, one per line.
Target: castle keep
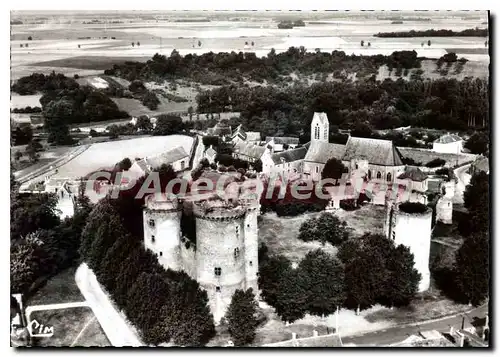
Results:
225 256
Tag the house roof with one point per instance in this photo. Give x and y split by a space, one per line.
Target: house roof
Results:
250 150
321 152
253 136
168 157
414 174
289 155
283 140
448 138
239 132
375 151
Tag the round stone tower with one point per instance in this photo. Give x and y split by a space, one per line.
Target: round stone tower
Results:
413 230
162 232
220 251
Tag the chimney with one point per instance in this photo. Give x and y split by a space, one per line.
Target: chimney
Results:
294 336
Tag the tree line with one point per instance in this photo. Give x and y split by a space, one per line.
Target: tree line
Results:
446 104
475 32
224 68
321 283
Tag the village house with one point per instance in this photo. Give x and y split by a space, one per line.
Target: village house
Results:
278 144
177 158
286 162
448 144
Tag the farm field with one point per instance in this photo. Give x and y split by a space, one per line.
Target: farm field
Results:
60 41
105 155
23 101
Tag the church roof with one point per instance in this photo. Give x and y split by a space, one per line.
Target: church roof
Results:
448 138
321 152
375 151
289 155
210 151
414 174
282 140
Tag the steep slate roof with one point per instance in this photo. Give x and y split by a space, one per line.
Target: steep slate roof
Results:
289 155
250 150
210 151
321 152
448 138
239 132
283 140
375 151
323 118
414 174
167 158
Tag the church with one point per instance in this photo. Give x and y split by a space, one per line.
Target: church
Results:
377 159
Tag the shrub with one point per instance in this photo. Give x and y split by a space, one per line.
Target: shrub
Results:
349 205
436 163
413 207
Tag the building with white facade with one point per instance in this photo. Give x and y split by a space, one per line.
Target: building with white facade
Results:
448 144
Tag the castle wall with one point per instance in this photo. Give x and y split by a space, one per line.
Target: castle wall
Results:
217 242
444 210
162 233
252 248
188 259
414 231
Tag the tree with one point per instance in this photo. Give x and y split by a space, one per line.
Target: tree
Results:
168 125
362 130
18 155
30 38
58 114
241 317
113 131
32 212
291 299
144 123
27 263
478 143
429 43
362 43
403 279
138 43
476 200
324 282
32 150
133 44
188 318
326 228
190 112
111 264
137 86
334 168
257 165
270 274
472 267
150 100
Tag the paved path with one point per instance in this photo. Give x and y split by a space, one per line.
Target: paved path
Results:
66 305
116 328
460 172
399 333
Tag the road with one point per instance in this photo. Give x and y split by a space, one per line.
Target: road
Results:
461 174
399 333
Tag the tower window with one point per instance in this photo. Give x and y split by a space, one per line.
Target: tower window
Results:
379 175
236 253
251 263
325 134
217 289
393 235
389 177
161 254
317 169
151 223
153 239
248 225
217 271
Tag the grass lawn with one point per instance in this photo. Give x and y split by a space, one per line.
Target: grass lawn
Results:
67 324
280 235
90 62
369 218
59 289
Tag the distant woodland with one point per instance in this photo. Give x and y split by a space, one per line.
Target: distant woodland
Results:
477 32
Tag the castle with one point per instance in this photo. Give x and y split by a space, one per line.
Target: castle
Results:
225 255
